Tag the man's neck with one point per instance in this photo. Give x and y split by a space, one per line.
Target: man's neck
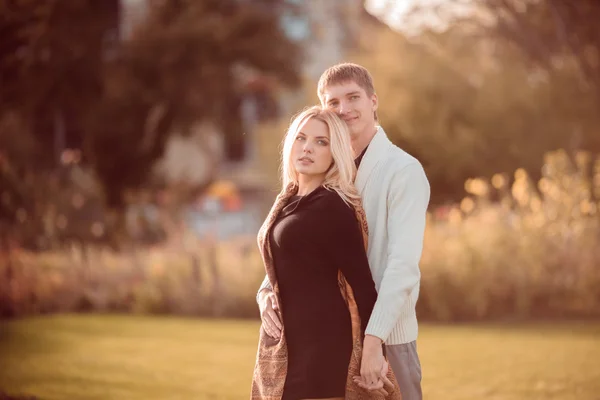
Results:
360 143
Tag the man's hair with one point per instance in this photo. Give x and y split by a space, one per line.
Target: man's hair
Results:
345 72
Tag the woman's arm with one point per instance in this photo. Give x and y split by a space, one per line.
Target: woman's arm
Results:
345 246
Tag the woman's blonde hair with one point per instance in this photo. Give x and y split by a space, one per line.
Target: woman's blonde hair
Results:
340 176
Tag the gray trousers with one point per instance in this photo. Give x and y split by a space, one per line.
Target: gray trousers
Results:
405 363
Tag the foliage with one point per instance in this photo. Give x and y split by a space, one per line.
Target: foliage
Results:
552 34
73 78
469 106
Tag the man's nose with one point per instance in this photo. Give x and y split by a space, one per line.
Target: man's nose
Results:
344 108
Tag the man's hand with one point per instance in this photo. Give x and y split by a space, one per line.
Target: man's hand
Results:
267 303
373 367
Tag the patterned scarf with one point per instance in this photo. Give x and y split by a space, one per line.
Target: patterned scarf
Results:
272 356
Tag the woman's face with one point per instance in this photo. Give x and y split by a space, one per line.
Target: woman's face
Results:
311 151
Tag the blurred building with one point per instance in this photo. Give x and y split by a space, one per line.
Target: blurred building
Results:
327 30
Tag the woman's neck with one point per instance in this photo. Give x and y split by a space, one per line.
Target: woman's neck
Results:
308 183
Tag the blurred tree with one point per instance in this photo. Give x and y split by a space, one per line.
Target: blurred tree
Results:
186 62
469 106
552 34
562 38
71 78
51 59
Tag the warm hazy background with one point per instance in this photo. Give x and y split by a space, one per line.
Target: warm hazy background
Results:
139 148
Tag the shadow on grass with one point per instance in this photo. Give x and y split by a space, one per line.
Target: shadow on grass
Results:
4 396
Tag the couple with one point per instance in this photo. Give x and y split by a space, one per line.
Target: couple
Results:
341 248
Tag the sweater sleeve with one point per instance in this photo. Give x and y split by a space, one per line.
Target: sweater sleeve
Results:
407 201
266 284
345 247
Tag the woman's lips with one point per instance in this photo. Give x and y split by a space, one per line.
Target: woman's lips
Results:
305 160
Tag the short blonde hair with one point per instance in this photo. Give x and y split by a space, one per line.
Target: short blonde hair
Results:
346 72
341 174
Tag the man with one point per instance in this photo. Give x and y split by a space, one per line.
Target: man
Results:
395 194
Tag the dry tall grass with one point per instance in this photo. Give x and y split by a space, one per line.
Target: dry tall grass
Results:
524 249
532 252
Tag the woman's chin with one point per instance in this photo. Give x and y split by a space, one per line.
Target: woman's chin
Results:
305 171
309 172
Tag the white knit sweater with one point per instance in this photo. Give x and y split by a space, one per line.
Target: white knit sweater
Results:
395 194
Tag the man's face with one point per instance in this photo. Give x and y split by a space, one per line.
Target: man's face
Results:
353 105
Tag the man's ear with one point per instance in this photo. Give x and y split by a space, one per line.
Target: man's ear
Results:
375 101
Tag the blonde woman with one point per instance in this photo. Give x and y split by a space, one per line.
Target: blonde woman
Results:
313 246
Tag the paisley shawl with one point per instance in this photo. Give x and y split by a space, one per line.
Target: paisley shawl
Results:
272 357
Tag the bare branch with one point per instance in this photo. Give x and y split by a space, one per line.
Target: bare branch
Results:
576 50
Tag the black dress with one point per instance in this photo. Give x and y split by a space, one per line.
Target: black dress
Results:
313 237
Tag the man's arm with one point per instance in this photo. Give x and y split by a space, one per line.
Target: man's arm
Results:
266 284
407 201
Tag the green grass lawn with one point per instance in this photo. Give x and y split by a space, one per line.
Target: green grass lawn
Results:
102 357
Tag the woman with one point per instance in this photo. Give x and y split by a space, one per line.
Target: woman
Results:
313 246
